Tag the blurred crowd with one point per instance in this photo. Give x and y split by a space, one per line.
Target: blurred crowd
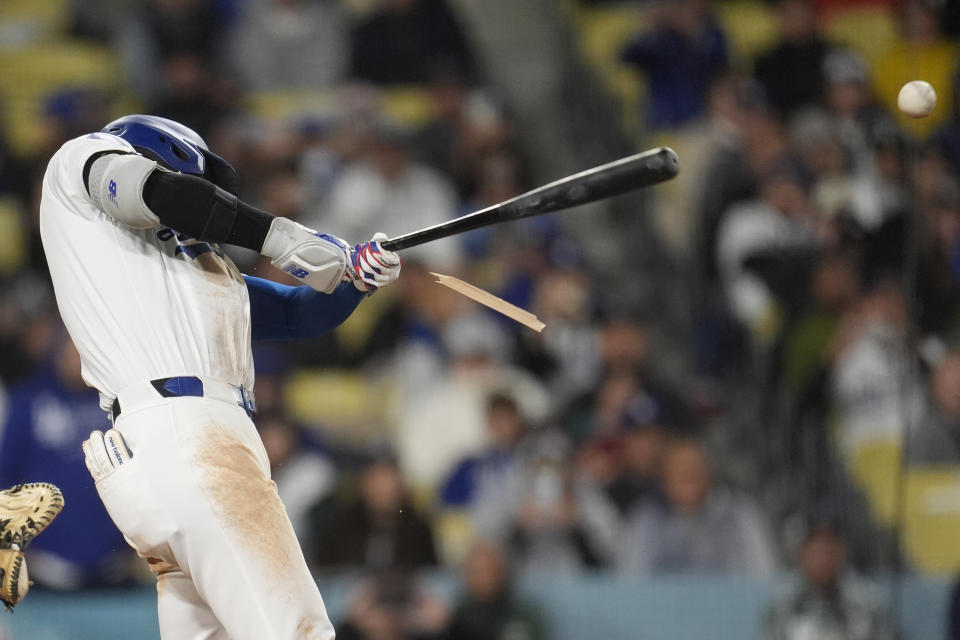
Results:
822 271
823 229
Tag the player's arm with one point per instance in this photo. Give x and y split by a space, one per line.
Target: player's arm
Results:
137 192
281 312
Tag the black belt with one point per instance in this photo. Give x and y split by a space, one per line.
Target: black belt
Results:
186 386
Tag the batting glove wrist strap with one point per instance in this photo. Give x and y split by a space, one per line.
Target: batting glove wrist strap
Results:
318 260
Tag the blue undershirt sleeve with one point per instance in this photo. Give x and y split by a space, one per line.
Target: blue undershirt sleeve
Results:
281 312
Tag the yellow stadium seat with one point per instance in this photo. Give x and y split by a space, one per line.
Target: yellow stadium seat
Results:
875 466
12 236
601 34
283 105
359 8
932 526
26 22
930 514
27 76
869 31
455 534
750 28
351 407
409 106
353 333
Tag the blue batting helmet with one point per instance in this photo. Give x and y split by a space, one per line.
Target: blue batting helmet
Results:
175 147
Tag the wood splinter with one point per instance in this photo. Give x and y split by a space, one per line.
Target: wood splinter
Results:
486 298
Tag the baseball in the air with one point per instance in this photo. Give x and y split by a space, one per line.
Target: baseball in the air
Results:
917 99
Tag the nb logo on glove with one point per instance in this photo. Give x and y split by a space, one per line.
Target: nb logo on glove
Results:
104 453
296 271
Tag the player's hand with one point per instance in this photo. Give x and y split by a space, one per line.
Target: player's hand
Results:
104 453
372 266
14 581
318 260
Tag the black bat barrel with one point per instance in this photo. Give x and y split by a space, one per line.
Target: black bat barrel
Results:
620 176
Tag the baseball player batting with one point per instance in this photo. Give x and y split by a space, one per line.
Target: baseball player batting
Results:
132 219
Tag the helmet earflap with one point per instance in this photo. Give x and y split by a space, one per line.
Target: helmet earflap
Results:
221 173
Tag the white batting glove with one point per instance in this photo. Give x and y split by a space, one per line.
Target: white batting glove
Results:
104 453
318 260
372 266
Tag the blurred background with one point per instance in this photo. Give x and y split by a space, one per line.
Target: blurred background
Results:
743 418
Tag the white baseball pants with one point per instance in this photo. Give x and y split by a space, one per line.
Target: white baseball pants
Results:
196 500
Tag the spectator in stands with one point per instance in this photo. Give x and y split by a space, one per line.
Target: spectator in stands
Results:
469 361
807 342
304 474
191 94
439 143
817 139
482 483
290 44
869 388
825 602
497 174
625 384
743 137
878 197
762 243
543 267
28 322
938 277
682 49
408 332
953 613
561 522
947 139
155 29
394 606
379 528
488 608
851 103
699 527
404 41
387 191
640 457
750 138
937 438
466 126
68 113
792 71
13 173
567 358
48 416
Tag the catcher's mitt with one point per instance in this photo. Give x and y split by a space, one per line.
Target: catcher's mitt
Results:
14 582
25 511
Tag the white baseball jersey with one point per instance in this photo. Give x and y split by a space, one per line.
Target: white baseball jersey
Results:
140 304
